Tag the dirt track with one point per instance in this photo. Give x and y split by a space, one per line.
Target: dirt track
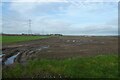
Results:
61 47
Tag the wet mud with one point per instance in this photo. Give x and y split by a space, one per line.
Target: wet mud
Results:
58 48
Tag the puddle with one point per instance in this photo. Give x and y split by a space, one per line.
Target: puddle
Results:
11 59
1 55
43 47
31 52
39 49
73 40
1 58
68 40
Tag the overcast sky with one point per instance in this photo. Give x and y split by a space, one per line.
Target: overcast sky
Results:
60 16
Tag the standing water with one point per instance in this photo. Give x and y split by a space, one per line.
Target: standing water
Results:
11 59
1 57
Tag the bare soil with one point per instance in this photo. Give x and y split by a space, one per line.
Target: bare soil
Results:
60 48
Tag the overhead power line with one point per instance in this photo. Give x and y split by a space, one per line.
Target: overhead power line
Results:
29 29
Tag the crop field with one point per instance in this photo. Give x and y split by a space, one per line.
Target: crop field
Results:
14 39
61 57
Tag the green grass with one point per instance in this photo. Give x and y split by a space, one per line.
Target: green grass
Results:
102 66
14 39
0 39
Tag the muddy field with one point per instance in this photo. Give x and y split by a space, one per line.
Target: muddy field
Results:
58 48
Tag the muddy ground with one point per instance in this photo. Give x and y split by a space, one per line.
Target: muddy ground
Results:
60 48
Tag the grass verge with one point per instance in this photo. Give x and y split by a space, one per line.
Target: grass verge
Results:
102 66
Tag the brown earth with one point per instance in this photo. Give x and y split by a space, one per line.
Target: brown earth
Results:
61 47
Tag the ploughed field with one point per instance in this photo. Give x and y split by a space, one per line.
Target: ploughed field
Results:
54 49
